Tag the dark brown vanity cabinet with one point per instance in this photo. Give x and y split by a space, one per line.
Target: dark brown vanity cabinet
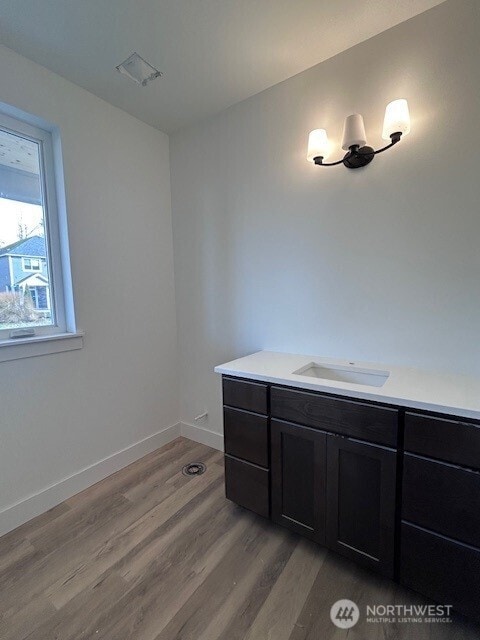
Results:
328 463
393 489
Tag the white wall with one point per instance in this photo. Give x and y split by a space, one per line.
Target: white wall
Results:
378 264
64 412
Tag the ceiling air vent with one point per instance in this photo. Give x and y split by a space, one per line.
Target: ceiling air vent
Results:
138 70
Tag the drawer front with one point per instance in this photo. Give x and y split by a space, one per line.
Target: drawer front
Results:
442 498
450 440
251 396
246 435
356 419
247 485
441 569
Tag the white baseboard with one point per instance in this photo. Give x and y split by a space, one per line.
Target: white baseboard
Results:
13 516
204 436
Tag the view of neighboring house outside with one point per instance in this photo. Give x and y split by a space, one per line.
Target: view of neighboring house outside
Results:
24 271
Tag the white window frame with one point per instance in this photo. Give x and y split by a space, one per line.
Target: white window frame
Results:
63 334
30 269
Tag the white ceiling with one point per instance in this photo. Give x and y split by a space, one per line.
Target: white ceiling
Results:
212 53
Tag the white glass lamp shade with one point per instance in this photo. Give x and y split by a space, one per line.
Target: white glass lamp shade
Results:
397 119
318 144
353 132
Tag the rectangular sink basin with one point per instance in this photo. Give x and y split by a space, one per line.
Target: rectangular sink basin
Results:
344 373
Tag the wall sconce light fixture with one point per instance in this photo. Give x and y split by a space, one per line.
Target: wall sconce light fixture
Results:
395 124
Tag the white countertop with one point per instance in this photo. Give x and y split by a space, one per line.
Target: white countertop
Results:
444 393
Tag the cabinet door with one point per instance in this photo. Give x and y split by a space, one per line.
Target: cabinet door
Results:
298 470
361 502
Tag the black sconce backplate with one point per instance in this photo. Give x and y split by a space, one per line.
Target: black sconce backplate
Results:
358 158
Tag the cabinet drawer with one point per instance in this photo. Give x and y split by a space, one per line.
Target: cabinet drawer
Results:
247 485
246 435
441 569
251 396
356 419
449 440
442 498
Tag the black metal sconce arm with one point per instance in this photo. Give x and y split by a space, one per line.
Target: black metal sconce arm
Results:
357 156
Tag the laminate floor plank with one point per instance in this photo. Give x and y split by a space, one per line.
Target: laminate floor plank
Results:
122 545
67 563
17 551
13 538
80 617
176 530
151 496
283 605
338 579
47 567
151 554
16 625
247 608
79 523
207 614
167 473
134 473
172 579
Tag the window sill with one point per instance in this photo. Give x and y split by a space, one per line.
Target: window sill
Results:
39 345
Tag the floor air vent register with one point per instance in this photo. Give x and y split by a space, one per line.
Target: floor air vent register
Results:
194 469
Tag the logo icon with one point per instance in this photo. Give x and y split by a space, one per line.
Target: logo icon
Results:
344 614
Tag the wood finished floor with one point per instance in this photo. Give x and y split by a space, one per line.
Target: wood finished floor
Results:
150 554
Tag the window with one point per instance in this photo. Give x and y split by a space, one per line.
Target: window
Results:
32 264
35 285
39 298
